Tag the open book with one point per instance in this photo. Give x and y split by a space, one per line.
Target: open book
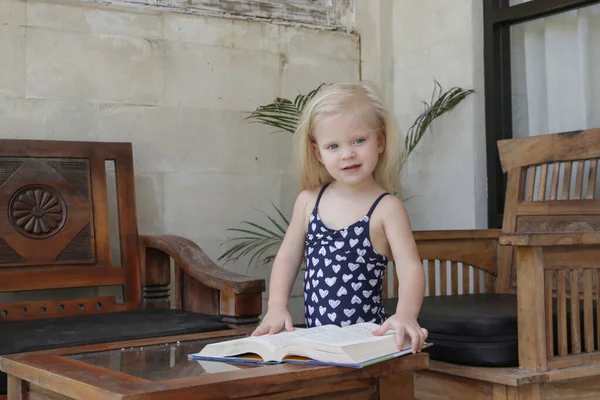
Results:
351 346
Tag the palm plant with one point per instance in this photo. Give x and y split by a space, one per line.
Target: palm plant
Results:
441 103
262 241
257 239
283 113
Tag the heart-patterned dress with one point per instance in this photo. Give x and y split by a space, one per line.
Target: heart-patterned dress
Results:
344 274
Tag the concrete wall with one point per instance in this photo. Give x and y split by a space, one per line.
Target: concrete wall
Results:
405 45
323 14
446 175
177 86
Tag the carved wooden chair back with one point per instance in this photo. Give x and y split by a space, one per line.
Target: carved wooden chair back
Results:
552 186
54 227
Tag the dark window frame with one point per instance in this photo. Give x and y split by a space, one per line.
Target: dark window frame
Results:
498 16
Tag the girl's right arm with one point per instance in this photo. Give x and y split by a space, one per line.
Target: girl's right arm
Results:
285 269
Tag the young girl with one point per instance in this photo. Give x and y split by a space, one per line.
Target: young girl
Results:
346 222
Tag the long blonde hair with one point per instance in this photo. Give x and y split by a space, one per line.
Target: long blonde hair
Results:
361 98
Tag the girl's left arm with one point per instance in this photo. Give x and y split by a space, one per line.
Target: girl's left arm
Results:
411 277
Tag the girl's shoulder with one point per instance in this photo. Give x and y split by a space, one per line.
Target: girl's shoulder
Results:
308 197
390 209
306 200
390 202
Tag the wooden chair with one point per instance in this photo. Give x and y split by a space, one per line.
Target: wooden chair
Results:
54 235
546 256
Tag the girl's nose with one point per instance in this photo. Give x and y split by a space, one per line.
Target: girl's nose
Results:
349 154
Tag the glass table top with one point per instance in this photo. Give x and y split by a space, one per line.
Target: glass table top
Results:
158 362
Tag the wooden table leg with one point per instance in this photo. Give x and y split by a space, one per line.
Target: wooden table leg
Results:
529 392
16 388
399 386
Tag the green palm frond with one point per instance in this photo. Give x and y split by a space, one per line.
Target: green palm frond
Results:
260 242
302 99
282 113
441 102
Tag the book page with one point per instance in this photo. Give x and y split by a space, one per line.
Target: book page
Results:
358 333
282 337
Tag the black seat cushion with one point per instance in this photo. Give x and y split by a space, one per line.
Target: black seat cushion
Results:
475 351
480 315
471 329
26 336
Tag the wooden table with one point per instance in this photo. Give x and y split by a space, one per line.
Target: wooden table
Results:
159 369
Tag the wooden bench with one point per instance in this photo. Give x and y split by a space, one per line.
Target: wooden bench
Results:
60 284
547 254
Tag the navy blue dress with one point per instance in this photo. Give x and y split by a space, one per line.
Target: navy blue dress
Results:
344 275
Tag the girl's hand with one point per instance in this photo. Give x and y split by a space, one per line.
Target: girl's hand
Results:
274 321
404 326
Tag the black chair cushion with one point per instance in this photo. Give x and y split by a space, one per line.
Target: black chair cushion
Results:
26 336
473 351
477 315
471 329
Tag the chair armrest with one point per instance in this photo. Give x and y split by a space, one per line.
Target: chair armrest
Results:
550 239
199 285
457 234
478 248
196 264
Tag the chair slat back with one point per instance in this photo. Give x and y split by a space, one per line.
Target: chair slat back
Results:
552 186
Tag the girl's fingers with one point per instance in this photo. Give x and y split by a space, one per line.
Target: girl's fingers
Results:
275 328
289 326
424 335
400 338
381 330
415 339
260 330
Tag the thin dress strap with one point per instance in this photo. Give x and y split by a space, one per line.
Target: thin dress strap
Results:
375 204
321 194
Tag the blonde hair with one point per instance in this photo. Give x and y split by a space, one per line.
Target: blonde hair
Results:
364 100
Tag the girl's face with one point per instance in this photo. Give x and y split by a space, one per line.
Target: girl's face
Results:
348 148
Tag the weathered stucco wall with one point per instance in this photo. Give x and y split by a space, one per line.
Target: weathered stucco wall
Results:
405 45
324 14
177 86
446 174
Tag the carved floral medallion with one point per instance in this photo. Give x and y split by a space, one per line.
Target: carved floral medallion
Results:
37 212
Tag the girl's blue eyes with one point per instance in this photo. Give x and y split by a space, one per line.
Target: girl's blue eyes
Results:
335 146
